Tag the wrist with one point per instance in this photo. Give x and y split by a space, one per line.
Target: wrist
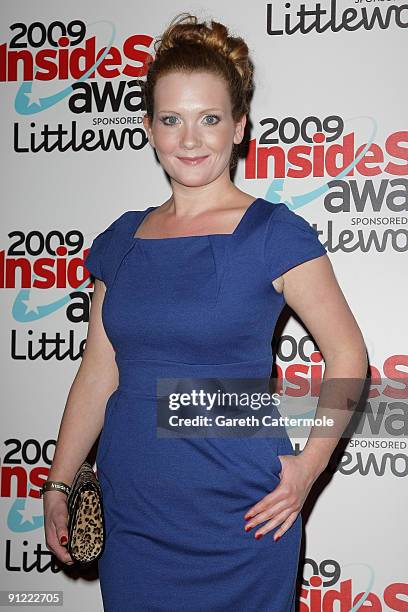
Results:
59 476
55 486
315 461
53 494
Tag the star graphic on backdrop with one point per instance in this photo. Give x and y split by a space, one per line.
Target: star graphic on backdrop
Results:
33 97
285 195
31 304
27 515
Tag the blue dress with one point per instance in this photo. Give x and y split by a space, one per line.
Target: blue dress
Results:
192 307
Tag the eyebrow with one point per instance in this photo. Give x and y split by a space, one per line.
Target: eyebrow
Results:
205 110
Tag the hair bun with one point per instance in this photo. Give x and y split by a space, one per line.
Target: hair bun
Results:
185 30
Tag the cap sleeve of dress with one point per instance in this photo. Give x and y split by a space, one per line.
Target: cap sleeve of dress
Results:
289 241
95 259
100 258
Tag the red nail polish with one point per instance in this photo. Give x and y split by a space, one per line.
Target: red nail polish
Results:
248 527
249 517
258 536
277 538
63 540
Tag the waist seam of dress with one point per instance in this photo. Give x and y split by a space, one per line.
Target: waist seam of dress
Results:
212 364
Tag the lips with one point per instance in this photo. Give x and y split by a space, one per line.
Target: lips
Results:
192 160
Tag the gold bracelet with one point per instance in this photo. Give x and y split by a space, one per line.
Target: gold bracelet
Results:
55 485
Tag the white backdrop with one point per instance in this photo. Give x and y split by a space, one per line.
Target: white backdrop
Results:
348 83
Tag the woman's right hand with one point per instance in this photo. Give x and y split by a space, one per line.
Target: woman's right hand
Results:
56 524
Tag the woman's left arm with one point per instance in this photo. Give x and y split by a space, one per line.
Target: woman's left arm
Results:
312 291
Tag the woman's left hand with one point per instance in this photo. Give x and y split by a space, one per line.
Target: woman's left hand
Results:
284 503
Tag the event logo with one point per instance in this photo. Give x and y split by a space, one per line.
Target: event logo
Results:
42 280
307 18
85 57
334 586
298 152
68 51
322 158
26 103
50 271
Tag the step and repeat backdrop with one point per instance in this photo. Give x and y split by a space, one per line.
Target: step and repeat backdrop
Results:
329 136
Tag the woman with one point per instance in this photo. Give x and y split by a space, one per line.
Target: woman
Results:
192 289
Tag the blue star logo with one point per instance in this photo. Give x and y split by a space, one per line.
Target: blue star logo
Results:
22 518
26 310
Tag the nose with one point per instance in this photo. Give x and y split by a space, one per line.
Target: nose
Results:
190 137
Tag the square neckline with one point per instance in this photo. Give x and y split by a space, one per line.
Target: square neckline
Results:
151 208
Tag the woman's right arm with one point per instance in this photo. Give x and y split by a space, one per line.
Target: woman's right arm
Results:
82 420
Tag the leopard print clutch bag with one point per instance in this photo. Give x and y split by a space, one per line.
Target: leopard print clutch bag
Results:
86 525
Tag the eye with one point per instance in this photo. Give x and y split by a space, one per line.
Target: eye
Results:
215 117
163 119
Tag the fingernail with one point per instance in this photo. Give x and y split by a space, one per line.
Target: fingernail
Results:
248 527
63 539
276 538
249 516
258 536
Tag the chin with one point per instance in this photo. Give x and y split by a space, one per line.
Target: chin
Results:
197 182
190 178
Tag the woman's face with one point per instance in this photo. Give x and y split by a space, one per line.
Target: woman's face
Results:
192 118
